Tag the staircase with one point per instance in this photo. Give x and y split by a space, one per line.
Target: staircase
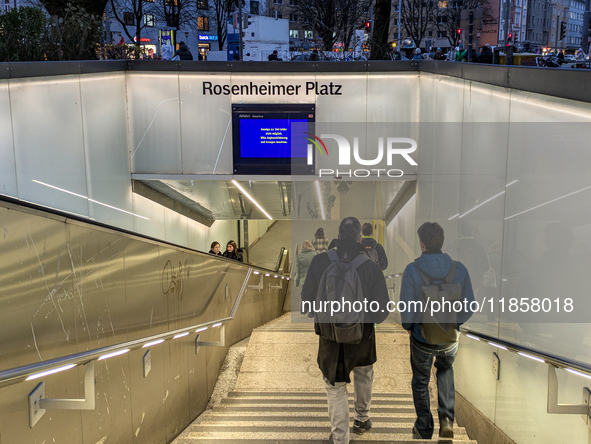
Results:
279 396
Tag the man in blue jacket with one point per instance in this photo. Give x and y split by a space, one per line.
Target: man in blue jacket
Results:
436 266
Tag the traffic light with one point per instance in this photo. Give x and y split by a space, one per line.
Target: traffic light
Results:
562 30
245 21
459 31
368 26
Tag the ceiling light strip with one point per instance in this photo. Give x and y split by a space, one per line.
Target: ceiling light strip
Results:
320 200
251 199
88 199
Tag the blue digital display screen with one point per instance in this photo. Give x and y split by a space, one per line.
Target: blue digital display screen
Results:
273 138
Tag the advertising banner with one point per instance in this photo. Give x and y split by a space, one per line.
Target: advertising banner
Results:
166 43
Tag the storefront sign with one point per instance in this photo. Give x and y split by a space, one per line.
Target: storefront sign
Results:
207 37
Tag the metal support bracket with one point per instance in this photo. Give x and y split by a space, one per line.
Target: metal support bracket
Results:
565 409
587 402
276 287
219 343
39 404
259 286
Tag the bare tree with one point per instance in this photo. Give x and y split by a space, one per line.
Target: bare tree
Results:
176 14
58 7
417 16
350 16
221 10
322 17
448 16
381 30
137 9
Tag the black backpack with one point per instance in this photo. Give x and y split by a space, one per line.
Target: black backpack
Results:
441 327
340 281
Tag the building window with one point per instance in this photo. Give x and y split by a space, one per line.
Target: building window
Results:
309 34
278 14
294 2
202 4
293 17
128 19
278 2
149 20
254 8
442 4
294 33
202 23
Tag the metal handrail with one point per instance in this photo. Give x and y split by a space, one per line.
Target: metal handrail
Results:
553 362
279 259
556 361
19 374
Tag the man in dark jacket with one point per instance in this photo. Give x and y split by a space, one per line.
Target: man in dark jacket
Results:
486 55
274 57
183 52
336 361
436 266
370 243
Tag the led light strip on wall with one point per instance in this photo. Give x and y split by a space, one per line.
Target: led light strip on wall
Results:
542 358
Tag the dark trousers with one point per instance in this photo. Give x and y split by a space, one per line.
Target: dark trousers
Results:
421 358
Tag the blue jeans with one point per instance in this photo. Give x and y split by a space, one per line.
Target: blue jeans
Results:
421 359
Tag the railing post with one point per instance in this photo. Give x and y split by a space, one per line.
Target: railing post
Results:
38 404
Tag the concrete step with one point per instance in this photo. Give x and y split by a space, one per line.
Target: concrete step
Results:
291 401
380 425
304 414
282 417
306 408
222 437
311 395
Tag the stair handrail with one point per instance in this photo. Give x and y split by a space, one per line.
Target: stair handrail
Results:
19 374
279 259
553 362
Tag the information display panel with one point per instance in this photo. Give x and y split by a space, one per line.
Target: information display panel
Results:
272 139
